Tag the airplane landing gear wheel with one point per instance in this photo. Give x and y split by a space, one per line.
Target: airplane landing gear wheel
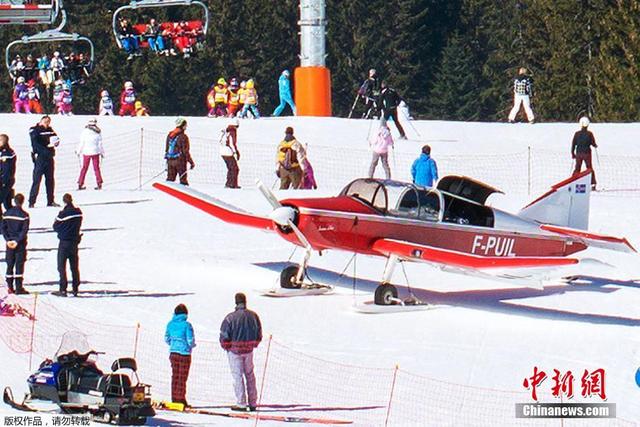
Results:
288 277
385 294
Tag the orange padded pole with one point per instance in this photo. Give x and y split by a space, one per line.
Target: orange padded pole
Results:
313 91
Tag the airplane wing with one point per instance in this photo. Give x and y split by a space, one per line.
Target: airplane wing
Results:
215 207
521 270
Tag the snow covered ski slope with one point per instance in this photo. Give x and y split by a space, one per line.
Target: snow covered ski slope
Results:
461 363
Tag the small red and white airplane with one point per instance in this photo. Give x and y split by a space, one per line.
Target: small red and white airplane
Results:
449 226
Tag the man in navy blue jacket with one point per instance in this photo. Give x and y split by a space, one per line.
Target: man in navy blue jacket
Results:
67 225
43 148
7 171
15 225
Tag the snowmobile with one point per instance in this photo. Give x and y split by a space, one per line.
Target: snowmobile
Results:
76 385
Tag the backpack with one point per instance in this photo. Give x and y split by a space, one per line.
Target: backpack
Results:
172 152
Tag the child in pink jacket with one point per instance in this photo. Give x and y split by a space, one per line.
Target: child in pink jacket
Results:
380 147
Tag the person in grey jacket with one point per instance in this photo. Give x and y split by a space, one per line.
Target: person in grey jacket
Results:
240 333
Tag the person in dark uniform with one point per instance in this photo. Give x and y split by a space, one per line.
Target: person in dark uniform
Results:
7 171
43 148
67 225
15 225
581 145
388 102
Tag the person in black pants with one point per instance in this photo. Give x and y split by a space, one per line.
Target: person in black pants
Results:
15 226
43 148
67 225
388 102
7 171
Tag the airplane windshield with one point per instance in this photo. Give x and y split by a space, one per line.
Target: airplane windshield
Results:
397 198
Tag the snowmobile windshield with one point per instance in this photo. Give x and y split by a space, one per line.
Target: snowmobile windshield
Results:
73 341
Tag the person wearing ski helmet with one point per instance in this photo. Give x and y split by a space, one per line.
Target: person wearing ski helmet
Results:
284 90
21 97
34 97
220 98
128 99
177 153
230 153
64 100
251 100
581 145
522 93
233 98
105 106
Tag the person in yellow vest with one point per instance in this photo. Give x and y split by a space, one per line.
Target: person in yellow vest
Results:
290 155
251 100
242 97
233 98
211 102
220 94
141 110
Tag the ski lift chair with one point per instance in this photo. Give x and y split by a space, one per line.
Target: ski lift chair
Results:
143 4
17 13
51 36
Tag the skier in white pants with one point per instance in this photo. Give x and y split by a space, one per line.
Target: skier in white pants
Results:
240 333
522 92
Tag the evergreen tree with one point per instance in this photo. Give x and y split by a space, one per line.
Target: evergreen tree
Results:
454 95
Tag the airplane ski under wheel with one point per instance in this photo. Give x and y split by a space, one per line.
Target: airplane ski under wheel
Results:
370 307
304 290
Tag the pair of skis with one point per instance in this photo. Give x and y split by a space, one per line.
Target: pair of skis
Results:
179 407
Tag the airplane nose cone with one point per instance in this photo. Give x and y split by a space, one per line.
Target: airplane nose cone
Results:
283 215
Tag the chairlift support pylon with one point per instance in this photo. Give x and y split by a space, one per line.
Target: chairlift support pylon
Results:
51 36
30 14
144 4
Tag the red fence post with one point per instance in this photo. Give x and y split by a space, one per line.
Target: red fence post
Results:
33 329
264 374
135 344
393 386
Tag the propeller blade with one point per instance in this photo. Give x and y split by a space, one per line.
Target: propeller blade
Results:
271 198
300 235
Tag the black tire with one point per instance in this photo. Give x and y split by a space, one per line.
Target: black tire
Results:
288 277
384 294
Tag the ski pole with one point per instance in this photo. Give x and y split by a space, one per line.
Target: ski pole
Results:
355 101
152 178
406 116
597 156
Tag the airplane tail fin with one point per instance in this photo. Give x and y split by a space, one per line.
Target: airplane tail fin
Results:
565 205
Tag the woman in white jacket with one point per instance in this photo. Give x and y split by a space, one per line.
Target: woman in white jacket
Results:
91 149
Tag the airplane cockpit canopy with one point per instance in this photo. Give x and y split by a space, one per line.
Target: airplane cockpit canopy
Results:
405 200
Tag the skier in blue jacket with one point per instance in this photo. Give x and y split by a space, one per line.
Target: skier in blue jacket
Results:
424 169
179 336
284 88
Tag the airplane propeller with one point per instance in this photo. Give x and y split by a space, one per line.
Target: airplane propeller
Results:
284 216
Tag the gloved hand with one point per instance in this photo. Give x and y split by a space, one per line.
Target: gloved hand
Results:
33 157
193 165
238 155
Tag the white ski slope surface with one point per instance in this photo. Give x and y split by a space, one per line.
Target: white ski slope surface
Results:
158 246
